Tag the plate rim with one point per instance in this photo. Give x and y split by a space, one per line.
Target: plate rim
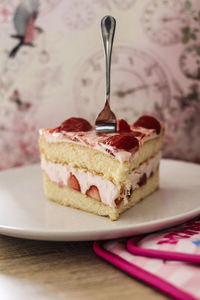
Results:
63 235
88 235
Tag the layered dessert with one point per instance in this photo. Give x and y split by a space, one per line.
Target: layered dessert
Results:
104 174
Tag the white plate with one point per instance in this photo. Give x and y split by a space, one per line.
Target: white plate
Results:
25 212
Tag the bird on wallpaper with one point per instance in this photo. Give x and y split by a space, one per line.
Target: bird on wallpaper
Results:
24 22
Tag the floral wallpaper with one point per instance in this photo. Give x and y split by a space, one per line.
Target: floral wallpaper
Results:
52 67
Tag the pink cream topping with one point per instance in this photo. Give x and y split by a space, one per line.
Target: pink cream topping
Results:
123 145
96 186
101 143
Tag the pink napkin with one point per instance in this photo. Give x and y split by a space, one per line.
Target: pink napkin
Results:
168 260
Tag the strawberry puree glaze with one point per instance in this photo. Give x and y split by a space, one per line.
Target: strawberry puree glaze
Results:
108 191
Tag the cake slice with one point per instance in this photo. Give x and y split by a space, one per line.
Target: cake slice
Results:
103 174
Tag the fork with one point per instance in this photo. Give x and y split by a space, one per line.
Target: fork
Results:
106 120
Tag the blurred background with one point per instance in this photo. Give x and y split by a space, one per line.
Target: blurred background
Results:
52 67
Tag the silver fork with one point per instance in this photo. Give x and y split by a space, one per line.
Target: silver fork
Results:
106 120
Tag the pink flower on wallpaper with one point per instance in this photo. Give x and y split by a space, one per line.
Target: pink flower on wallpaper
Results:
79 14
18 144
20 126
19 134
7 9
19 121
46 6
124 4
19 140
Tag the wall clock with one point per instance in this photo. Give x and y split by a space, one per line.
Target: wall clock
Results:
138 83
190 62
163 20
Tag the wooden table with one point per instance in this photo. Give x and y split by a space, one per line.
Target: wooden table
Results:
57 270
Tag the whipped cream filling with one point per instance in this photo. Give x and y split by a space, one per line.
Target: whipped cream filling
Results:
147 168
91 139
60 174
108 190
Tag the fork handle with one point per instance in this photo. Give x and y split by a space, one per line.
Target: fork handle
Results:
108 25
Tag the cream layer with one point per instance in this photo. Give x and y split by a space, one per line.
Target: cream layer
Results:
91 139
108 190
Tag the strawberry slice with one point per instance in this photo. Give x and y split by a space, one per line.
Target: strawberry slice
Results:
148 122
93 192
118 201
73 125
143 180
57 129
73 183
126 142
123 126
